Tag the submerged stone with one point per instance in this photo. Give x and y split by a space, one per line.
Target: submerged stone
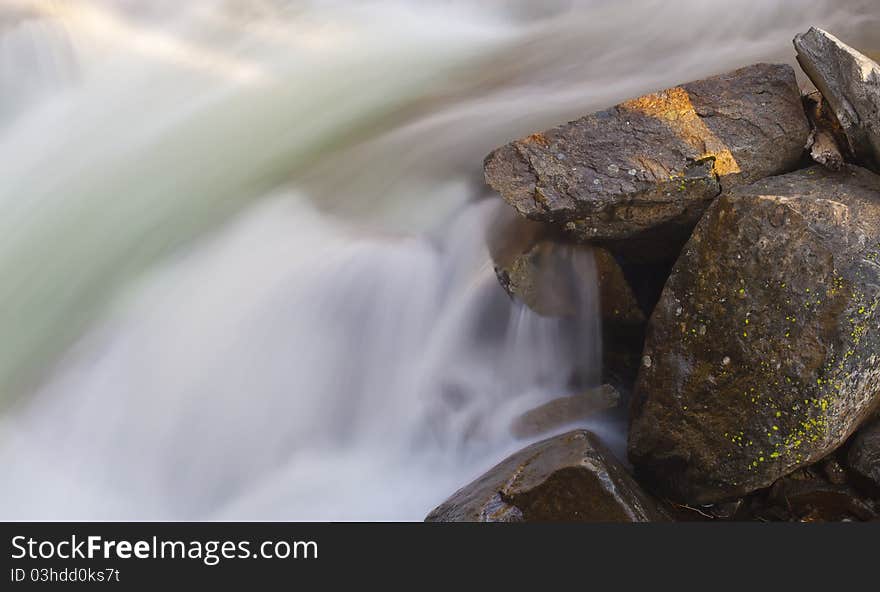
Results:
565 410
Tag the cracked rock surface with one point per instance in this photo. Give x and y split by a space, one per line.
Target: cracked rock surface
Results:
655 163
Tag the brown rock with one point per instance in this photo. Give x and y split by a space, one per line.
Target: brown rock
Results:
826 137
553 276
553 279
651 166
850 82
570 478
761 356
565 410
557 278
510 236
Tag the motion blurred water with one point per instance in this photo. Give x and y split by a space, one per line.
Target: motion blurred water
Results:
243 271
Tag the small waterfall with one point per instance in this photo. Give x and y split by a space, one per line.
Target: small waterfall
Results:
276 392
243 262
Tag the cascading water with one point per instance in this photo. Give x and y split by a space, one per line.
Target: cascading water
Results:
243 266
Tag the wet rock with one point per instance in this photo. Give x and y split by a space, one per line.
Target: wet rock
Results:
850 82
570 478
565 410
553 279
762 354
649 167
553 276
557 278
510 237
864 454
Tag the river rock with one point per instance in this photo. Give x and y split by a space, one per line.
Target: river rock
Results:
553 276
565 410
850 82
864 454
560 279
649 167
763 354
570 478
552 279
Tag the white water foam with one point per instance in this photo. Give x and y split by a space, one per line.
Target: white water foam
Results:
242 261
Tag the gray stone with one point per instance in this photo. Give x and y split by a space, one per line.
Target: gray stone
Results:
850 82
651 166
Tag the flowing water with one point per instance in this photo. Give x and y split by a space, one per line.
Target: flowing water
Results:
243 264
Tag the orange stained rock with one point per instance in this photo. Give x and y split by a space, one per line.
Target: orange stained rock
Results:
537 138
674 107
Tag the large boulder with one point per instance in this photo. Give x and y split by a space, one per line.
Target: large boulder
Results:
763 354
850 82
649 167
570 478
